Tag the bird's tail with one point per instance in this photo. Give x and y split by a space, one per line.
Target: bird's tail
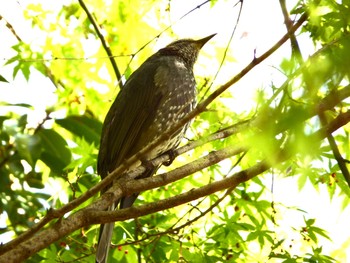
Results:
106 230
104 241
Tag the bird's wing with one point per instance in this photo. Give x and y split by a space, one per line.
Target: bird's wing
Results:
104 240
130 115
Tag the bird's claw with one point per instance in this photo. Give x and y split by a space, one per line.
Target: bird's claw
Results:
172 156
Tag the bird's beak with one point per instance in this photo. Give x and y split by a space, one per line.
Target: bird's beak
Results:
201 42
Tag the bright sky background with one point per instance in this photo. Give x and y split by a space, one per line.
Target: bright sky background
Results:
261 25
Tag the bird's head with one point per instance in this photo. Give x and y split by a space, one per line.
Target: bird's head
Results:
186 49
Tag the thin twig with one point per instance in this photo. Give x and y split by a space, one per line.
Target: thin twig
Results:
176 229
104 43
332 143
289 23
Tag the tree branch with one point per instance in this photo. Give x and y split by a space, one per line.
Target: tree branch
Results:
289 23
340 160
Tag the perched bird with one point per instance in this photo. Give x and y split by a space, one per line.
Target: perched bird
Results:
158 94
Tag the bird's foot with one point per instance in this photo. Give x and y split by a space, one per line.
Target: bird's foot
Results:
171 155
148 165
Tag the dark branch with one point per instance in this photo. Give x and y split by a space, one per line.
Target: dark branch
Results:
289 23
341 161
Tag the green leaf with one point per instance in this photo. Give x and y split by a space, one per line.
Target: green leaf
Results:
302 180
2 79
319 231
49 254
2 119
22 122
310 222
34 180
24 105
28 147
83 126
24 67
55 153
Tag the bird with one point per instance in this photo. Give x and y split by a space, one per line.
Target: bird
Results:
155 96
